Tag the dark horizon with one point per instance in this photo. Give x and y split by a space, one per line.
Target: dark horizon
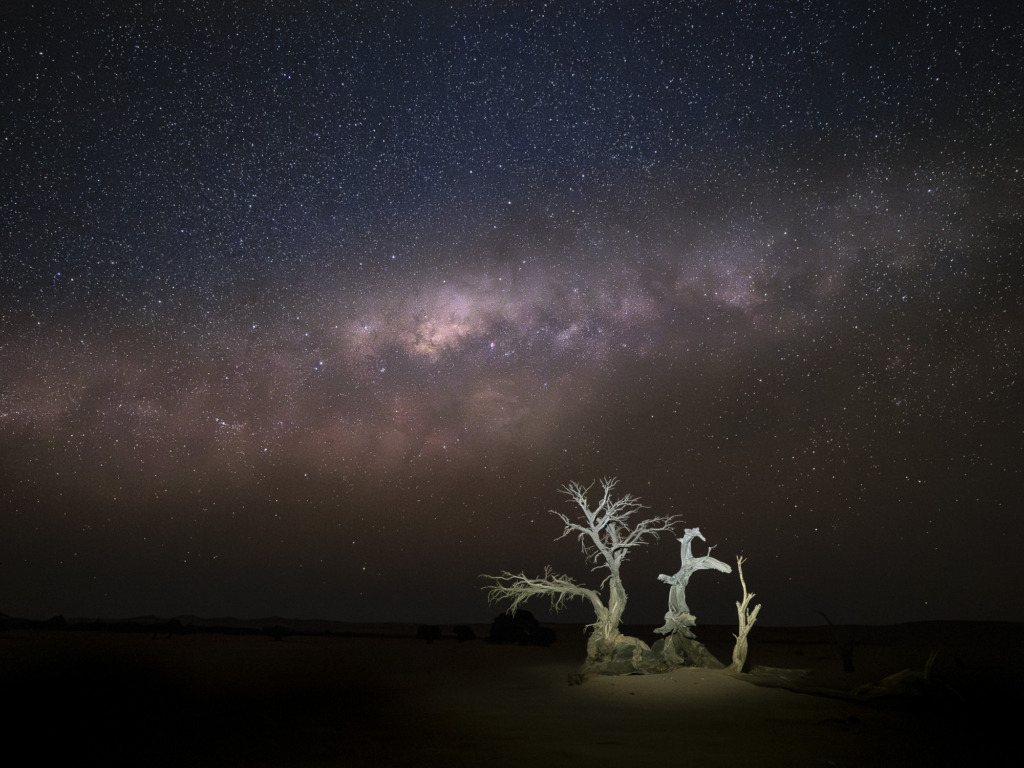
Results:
310 310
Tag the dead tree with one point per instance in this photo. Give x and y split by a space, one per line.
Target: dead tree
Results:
679 619
746 621
607 533
846 641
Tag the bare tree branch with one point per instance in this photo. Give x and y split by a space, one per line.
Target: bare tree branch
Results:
608 535
520 588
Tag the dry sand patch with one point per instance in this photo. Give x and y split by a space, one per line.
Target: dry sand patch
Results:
314 700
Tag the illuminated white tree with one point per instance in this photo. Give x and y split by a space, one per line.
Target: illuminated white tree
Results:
746 619
679 619
607 533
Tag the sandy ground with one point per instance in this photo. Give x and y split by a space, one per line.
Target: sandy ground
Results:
249 700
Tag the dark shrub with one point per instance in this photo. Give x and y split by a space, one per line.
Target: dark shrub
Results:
428 632
522 628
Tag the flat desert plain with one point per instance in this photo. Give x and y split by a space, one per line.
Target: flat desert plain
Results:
309 700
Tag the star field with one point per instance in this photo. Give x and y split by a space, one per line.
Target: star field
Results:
310 309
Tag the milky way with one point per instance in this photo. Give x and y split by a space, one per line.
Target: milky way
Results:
312 311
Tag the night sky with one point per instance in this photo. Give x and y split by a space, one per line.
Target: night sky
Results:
310 310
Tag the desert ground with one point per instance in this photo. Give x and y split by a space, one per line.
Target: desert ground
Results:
134 698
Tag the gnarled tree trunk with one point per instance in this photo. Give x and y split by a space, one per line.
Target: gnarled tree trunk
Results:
608 648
